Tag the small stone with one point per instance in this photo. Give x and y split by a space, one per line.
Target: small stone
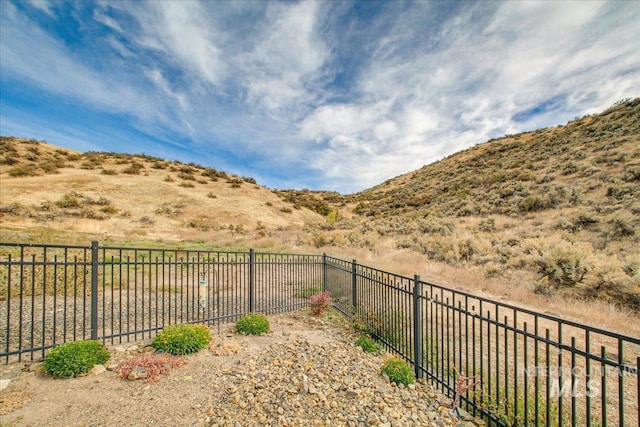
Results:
37 367
120 349
464 415
112 367
372 419
98 370
137 374
12 373
353 393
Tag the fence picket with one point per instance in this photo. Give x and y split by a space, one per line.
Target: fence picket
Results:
50 294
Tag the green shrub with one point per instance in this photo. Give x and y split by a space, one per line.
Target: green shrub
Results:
368 344
182 339
74 358
253 324
398 371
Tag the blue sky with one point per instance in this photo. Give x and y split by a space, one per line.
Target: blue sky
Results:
331 95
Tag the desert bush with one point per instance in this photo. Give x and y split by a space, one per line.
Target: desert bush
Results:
531 204
50 166
607 278
631 265
439 248
319 303
146 220
564 263
9 161
436 225
467 248
70 201
186 184
398 371
75 358
622 227
367 344
487 225
202 224
252 324
23 171
182 339
186 176
109 210
153 365
133 169
319 239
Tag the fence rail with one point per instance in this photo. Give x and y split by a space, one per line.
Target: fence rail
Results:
54 294
530 368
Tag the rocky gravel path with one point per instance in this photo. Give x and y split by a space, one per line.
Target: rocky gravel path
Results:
305 372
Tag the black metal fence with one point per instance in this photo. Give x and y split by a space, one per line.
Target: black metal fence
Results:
529 368
53 294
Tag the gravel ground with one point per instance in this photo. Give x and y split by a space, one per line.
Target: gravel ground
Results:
305 372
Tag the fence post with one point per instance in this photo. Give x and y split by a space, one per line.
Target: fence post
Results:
324 271
252 281
417 326
354 282
94 290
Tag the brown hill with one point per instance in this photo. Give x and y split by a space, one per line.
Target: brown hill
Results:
556 208
121 195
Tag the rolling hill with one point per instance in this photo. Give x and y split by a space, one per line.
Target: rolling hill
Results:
135 196
561 204
554 210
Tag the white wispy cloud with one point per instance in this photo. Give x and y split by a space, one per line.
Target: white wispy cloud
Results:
333 95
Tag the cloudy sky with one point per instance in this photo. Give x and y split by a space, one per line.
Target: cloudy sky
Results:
332 95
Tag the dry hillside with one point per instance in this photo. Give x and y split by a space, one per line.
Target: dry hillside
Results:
121 195
553 211
556 208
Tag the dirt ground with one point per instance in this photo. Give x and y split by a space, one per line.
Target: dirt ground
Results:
35 398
